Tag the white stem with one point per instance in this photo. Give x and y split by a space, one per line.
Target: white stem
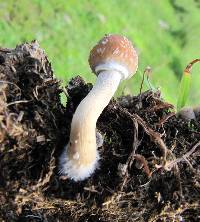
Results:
80 158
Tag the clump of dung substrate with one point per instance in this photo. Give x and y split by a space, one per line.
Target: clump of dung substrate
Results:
30 122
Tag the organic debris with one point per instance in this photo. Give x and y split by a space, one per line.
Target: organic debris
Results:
149 168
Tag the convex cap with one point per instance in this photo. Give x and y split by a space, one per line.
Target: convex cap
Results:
114 52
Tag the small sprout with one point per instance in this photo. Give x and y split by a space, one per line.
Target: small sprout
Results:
146 74
185 85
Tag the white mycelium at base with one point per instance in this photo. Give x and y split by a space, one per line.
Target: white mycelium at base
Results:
74 172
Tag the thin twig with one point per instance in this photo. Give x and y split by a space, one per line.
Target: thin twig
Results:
184 157
11 83
144 162
189 66
17 102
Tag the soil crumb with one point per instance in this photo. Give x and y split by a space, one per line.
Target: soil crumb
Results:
150 159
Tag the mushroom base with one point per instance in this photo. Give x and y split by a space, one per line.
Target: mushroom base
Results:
72 170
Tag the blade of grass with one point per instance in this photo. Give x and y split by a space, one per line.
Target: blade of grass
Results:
185 85
184 89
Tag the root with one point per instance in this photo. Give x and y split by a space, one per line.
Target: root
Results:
184 157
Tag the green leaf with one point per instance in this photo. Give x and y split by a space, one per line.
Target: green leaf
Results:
184 89
185 85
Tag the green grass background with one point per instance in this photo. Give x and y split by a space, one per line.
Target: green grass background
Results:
166 34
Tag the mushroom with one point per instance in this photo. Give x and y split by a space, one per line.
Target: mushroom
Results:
113 59
196 110
186 113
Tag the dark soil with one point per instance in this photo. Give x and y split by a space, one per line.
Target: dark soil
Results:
150 159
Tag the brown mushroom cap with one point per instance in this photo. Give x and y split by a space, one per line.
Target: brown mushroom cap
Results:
114 49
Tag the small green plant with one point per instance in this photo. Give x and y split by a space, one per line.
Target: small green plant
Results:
145 79
185 85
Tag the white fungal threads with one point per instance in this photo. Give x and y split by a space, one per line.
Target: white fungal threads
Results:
76 156
73 171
